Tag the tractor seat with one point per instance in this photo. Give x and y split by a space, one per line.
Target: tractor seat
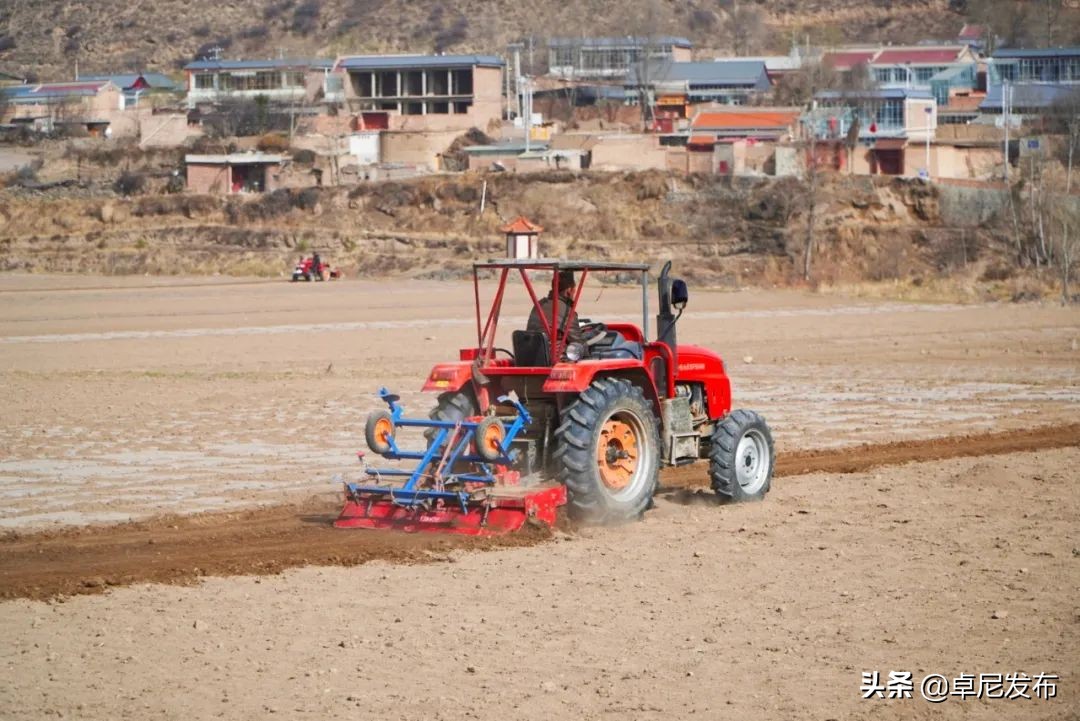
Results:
530 349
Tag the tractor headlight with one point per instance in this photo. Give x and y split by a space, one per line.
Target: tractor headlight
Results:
575 352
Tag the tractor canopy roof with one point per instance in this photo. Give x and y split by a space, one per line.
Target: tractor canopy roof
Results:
557 264
557 337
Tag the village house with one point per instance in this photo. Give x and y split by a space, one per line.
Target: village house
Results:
232 173
1036 79
421 92
893 128
91 106
141 88
944 70
280 80
674 87
741 140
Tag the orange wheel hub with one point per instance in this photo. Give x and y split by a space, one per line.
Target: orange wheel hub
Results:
493 437
617 454
384 428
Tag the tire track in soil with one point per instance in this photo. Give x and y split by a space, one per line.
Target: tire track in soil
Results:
181 549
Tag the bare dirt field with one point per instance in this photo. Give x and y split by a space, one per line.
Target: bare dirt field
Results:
131 398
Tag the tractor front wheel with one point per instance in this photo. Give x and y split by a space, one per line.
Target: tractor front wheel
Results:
741 457
607 452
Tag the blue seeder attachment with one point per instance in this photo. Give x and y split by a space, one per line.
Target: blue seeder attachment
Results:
437 476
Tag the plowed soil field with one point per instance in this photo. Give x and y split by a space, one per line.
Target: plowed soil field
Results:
171 453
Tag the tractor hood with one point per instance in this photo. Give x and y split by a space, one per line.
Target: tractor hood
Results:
701 365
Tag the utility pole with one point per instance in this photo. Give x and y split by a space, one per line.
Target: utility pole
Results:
1005 90
929 118
526 89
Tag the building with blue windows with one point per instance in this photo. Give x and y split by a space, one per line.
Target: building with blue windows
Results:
1036 77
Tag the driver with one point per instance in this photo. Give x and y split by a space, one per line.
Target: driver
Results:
568 321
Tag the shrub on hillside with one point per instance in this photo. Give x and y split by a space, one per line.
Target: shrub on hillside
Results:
130 183
255 32
275 9
273 143
306 17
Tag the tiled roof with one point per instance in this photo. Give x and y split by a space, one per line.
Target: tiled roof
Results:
521 224
970 32
1036 52
394 62
271 64
904 56
46 91
128 80
727 72
847 60
744 119
1027 95
879 93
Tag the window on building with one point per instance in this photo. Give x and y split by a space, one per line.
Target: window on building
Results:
295 79
267 80
562 57
438 82
386 85
923 75
204 81
889 114
414 82
1070 69
461 82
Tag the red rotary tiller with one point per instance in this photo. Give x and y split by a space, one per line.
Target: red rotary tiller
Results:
463 481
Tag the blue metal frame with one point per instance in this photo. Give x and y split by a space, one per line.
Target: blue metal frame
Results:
410 495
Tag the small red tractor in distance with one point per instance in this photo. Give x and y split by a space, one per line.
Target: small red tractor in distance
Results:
518 432
314 269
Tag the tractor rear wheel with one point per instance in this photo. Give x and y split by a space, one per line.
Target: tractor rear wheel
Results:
607 452
454 406
741 457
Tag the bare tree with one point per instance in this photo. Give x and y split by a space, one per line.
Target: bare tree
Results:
1067 245
1065 117
1030 23
747 28
647 68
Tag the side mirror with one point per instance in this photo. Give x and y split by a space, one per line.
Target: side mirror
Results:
680 294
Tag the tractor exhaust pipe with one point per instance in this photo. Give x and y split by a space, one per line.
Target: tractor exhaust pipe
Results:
673 296
665 319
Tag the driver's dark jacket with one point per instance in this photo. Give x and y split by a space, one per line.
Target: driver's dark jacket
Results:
536 323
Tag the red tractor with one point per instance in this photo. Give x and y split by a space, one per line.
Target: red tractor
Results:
583 416
314 269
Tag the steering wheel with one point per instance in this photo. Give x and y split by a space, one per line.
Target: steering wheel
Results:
504 350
